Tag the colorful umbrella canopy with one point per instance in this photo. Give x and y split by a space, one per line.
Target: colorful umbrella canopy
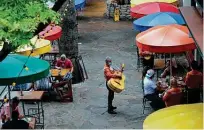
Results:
51 32
141 10
40 46
79 4
137 2
176 117
12 65
165 39
160 18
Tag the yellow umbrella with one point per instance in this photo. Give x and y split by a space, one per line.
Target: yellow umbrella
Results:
137 2
41 46
176 117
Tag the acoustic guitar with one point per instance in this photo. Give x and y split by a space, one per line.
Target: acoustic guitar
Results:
117 84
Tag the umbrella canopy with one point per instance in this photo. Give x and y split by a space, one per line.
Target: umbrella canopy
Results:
40 46
79 4
12 65
137 2
51 32
160 18
141 10
176 117
165 39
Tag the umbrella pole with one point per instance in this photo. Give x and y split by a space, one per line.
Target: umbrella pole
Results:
170 69
10 102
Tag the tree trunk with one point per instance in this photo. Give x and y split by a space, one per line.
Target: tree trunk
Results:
5 51
68 43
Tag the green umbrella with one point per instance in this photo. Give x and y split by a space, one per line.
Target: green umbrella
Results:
11 69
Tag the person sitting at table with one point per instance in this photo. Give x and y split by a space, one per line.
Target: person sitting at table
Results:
167 68
15 123
5 110
194 81
173 95
64 63
150 93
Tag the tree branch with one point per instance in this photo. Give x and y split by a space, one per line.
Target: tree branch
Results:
58 4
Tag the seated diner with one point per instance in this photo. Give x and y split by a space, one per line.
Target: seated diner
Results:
150 91
167 68
15 123
64 63
173 95
5 110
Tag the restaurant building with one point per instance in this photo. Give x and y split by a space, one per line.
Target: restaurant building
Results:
193 16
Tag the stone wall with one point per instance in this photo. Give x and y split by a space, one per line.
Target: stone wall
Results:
124 10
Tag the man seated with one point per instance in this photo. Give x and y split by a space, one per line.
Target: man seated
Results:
150 88
173 95
15 123
194 82
64 63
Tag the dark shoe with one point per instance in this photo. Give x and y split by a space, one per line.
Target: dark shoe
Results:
112 112
113 108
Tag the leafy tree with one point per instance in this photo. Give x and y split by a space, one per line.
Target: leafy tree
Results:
19 20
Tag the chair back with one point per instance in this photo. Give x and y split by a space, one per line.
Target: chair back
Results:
60 84
194 81
174 99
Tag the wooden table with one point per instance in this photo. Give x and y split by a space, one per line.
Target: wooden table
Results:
30 96
57 72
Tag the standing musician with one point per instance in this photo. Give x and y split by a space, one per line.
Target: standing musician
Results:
109 73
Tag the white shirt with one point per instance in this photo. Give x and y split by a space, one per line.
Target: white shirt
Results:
149 86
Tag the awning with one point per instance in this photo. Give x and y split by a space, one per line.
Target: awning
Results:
195 24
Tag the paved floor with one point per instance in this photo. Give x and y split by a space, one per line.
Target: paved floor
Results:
100 37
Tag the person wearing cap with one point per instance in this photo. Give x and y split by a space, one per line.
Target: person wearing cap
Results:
173 95
109 73
64 63
150 88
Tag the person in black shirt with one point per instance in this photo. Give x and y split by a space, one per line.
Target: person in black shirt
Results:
15 123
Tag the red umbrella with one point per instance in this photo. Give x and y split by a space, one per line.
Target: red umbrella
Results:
165 39
51 32
141 10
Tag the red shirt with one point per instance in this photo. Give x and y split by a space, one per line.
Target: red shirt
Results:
108 73
66 64
194 79
171 97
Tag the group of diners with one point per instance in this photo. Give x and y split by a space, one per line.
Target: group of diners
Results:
173 93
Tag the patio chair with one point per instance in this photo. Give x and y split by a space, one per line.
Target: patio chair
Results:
64 90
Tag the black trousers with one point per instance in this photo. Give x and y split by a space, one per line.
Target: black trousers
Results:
110 96
157 103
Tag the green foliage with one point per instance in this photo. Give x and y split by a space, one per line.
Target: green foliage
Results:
20 18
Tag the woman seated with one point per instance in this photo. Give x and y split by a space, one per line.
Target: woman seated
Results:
173 95
167 68
5 110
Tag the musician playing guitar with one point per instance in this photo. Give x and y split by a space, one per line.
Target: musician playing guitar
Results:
109 73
